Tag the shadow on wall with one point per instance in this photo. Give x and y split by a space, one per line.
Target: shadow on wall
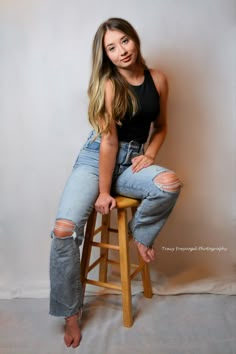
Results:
193 150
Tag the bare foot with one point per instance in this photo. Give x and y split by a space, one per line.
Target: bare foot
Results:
147 253
72 335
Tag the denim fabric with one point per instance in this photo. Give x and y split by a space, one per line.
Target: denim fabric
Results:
78 198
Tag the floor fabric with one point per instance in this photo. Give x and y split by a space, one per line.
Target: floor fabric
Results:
179 324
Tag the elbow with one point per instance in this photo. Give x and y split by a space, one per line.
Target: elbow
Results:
109 144
110 140
113 145
161 129
165 129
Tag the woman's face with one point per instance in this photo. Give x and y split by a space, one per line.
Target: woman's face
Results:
120 49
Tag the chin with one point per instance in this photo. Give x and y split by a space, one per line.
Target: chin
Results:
128 65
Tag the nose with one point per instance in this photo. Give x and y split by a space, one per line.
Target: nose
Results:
123 51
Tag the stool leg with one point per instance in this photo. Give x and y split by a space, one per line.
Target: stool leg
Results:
87 247
125 268
104 251
147 287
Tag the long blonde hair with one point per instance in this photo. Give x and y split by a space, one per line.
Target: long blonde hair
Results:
102 70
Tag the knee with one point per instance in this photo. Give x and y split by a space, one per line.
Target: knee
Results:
64 228
168 182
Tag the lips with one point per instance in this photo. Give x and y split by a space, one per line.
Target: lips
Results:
126 59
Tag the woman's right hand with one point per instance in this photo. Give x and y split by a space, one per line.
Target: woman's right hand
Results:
105 203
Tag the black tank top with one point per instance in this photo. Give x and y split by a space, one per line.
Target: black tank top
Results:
137 127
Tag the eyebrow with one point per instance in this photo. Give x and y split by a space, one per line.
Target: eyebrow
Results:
113 43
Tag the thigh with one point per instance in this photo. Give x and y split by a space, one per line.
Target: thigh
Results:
81 189
139 184
79 195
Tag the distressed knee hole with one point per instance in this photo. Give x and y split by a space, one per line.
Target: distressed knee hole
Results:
64 228
168 182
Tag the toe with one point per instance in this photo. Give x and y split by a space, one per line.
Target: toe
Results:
146 257
76 342
68 340
151 253
143 252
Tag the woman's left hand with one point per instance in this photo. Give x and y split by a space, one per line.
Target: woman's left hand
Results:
105 203
140 162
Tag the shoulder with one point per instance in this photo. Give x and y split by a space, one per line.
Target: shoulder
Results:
160 80
109 86
108 91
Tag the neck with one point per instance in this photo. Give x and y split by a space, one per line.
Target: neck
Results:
134 75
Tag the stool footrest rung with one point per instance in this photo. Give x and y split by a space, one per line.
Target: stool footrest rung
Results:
94 264
137 270
99 260
105 245
103 285
112 261
99 229
113 230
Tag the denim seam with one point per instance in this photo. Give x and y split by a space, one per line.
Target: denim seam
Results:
152 195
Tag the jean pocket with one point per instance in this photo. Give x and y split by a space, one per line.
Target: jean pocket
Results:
92 145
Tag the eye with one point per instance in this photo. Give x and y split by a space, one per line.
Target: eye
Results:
125 40
110 49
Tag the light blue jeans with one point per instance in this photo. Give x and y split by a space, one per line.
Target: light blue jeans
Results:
77 202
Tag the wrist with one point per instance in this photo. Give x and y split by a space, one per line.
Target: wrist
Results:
150 156
104 192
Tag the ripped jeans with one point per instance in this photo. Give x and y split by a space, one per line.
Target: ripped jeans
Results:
77 202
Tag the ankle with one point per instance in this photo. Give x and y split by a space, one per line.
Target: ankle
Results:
72 318
77 316
147 253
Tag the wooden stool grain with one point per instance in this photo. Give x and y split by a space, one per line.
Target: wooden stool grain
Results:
122 206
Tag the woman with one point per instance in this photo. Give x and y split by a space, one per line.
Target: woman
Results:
127 104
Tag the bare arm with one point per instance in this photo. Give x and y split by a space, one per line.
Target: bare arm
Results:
107 159
159 127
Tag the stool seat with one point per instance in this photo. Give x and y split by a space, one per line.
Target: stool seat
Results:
124 202
122 206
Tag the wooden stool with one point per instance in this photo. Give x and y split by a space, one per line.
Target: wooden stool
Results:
122 205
